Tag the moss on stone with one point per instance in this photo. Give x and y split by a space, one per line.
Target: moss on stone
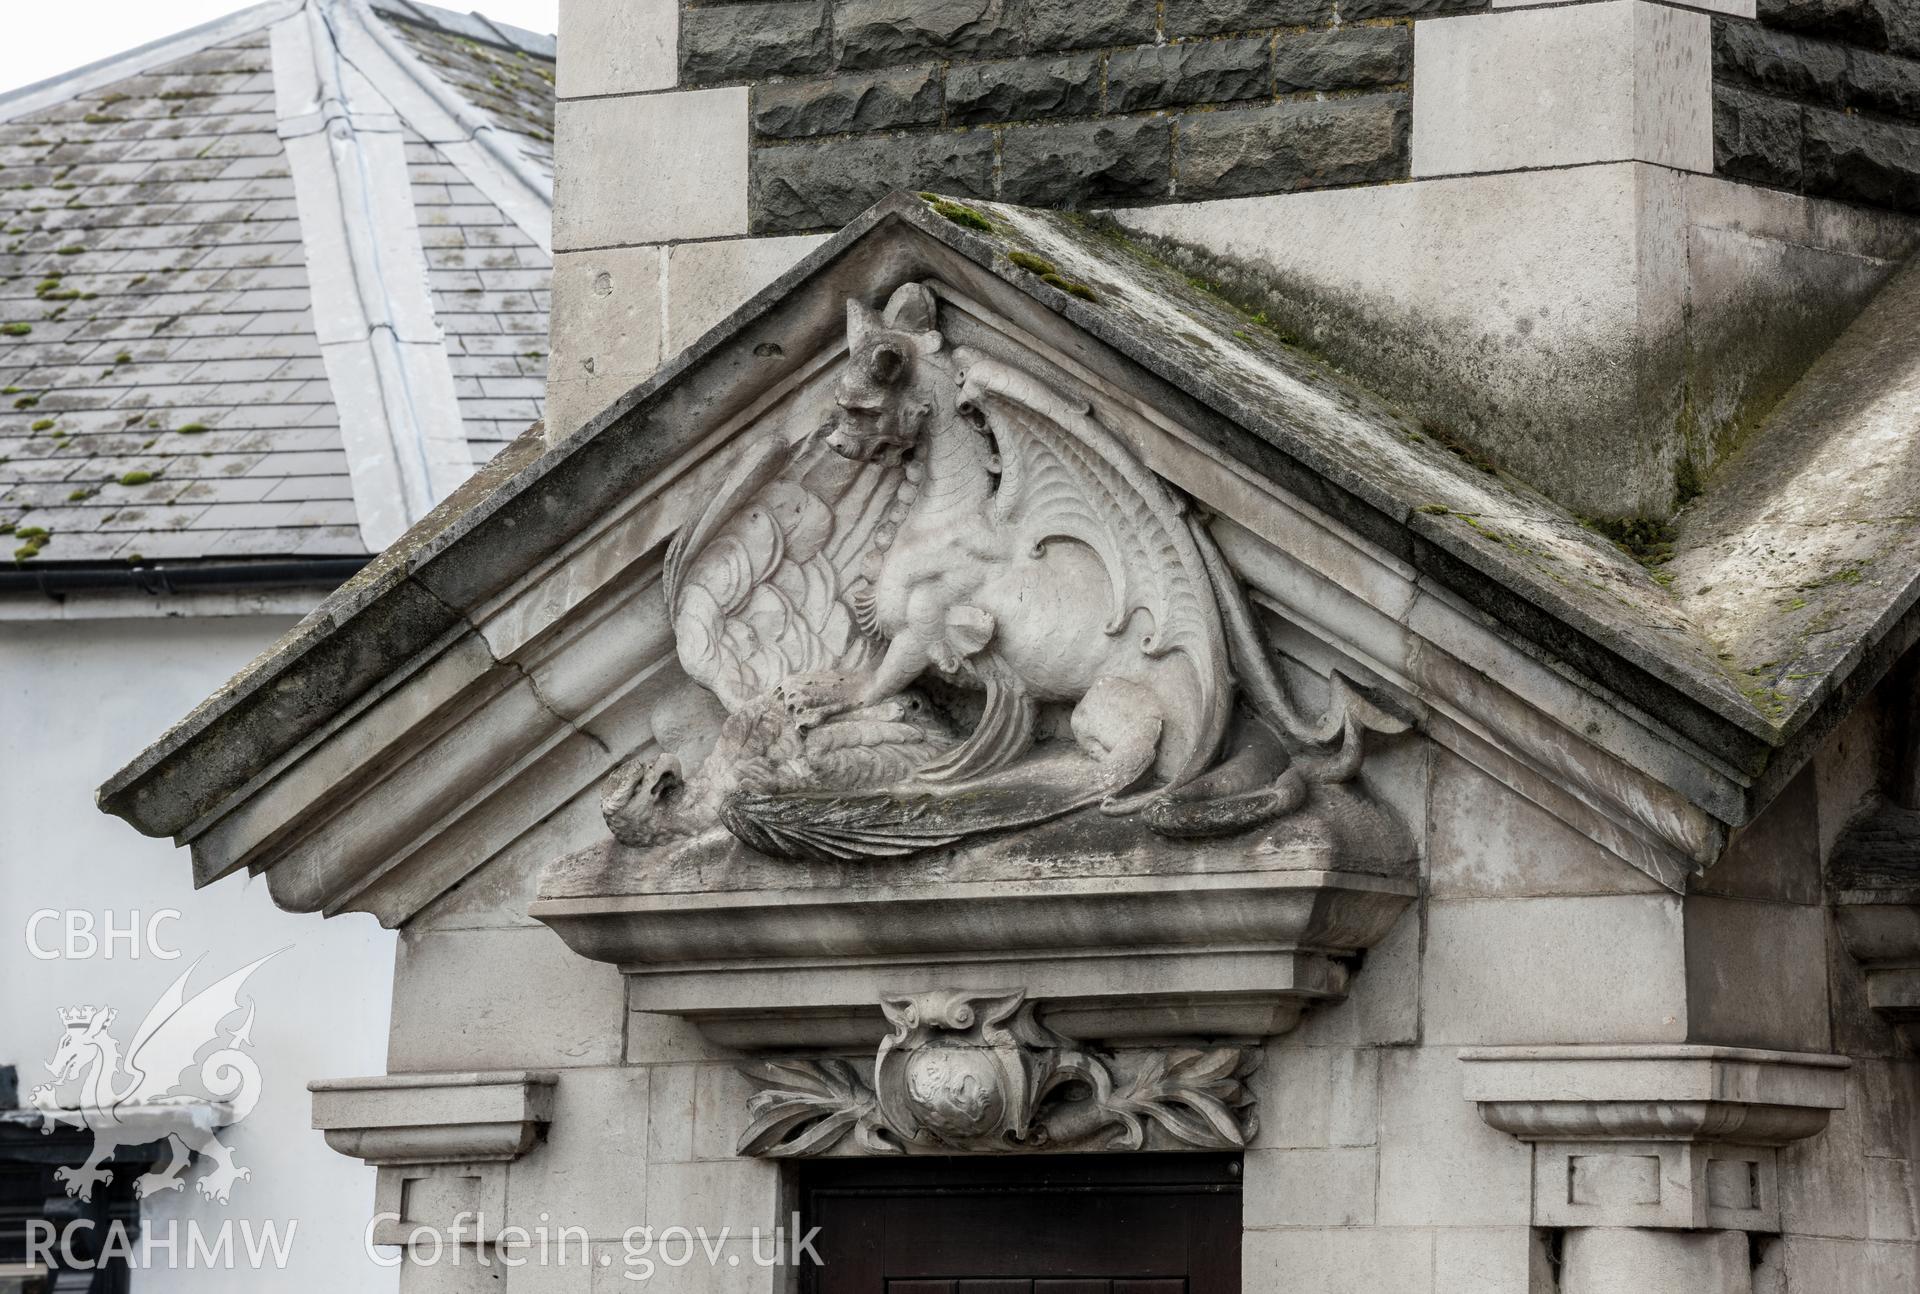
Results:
1033 264
41 424
15 329
190 429
136 478
964 216
1068 286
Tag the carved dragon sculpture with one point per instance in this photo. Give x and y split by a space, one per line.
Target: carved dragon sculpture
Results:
962 519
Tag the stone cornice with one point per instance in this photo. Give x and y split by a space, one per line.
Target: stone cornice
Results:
463 1118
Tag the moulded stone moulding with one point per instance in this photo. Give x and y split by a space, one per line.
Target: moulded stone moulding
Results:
1120 941
1664 1136
441 1143
434 1118
1875 879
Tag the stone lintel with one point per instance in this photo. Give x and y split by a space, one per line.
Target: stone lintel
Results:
1664 1136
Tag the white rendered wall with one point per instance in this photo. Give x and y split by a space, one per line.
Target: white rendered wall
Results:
77 699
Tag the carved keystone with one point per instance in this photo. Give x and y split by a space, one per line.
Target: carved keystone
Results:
977 1071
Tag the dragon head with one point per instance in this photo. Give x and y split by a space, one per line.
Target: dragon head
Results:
886 395
644 802
80 1042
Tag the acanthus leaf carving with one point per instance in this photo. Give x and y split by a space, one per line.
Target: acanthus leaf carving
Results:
966 1071
962 527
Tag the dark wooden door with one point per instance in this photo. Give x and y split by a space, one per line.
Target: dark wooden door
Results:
1092 1224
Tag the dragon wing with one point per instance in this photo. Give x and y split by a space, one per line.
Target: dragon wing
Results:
178 1027
767 582
1064 476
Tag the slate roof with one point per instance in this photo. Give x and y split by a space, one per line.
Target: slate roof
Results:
1573 596
165 394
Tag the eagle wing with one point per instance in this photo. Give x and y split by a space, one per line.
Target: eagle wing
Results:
767 582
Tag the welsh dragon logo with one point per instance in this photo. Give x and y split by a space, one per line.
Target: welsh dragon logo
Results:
159 1088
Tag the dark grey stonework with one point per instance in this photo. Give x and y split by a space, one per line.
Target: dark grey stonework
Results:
1024 89
1201 71
1058 102
882 33
1756 137
1291 146
788 109
1086 24
1214 17
1818 97
744 42
1779 62
1083 163
1348 58
1854 157
824 184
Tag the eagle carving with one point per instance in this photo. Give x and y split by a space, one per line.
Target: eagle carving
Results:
964 606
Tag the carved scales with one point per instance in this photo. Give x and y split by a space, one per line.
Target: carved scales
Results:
977 1071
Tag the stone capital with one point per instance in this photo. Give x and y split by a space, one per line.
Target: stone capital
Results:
1667 1136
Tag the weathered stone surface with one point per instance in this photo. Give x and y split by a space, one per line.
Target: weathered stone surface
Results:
1022 89
1344 59
1778 62
1357 10
799 187
706 282
743 42
788 109
682 172
1210 71
1293 146
885 33
1875 23
1083 24
1088 161
1757 137
618 46
1216 17
1857 157
1883 84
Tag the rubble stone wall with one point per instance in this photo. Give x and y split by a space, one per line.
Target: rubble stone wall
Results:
1822 97
1056 103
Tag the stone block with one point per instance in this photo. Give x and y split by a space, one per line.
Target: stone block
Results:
1291 146
1086 163
1350 58
1440 1164
746 42
618 47
1206 71
720 1096
1561 86
884 100
591 1171
1823 1180
1342 1260
1778 62
501 999
1626 1260
1362 10
671 1095
650 168
1216 17
708 281
1023 89
1855 157
1490 1260
1560 970
1756 137
1318 1096
1777 855
1756 974
823 185
606 325
1486 841
1891 1213
739 1194
1821 1263
1084 24
888 33
1312 1188
1876 24
1880 83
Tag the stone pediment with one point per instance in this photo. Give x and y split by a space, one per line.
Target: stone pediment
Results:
460 703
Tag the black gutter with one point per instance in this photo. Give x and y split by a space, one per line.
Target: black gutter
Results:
206 577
